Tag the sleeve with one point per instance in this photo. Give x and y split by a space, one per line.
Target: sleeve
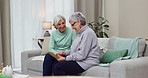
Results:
82 50
73 35
67 52
52 44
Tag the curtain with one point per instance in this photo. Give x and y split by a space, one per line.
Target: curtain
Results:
90 8
1 58
5 34
27 17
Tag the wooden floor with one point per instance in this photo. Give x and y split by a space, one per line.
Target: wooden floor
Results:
66 77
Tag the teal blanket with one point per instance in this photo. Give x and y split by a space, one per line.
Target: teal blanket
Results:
125 43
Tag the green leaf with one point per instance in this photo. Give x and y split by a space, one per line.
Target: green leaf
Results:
95 24
101 34
98 23
107 26
97 35
99 26
107 21
105 35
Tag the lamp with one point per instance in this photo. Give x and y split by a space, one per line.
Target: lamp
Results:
46 25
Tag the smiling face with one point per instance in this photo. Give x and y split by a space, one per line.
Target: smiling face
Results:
75 25
61 26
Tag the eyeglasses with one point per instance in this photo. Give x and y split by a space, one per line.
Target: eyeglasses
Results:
73 24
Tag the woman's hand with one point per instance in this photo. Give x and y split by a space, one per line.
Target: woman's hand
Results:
60 58
61 53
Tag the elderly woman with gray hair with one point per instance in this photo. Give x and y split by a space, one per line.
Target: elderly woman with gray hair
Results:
84 51
60 40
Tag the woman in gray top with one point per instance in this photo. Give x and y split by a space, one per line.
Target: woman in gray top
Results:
84 51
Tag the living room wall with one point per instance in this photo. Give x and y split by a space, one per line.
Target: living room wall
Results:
128 18
90 8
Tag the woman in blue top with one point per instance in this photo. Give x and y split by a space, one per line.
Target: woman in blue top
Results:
60 40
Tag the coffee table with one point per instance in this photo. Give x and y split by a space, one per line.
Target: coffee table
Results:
65 77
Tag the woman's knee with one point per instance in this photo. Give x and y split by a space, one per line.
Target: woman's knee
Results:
59 69
58 66
48 56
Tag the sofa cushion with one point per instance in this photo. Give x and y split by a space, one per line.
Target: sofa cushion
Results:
45 45
97 71
141 47
103 43
111 55
110 44
35 65
146 50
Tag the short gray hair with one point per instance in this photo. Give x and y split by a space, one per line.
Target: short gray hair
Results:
78 16
58 18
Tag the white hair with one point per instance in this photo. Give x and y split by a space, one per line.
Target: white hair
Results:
58 18
78 16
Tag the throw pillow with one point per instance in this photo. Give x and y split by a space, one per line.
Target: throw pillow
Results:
45 45
111 55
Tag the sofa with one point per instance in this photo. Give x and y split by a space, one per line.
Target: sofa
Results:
130 68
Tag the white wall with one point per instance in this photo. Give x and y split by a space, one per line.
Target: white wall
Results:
128 18
111 14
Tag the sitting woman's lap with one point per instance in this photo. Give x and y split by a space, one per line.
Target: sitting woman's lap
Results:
67 68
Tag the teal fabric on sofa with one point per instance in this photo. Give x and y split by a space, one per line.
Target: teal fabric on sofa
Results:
112 55
127 43
141 45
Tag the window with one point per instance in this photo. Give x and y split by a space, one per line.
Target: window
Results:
26 18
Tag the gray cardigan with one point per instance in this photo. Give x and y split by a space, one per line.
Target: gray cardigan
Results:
85 49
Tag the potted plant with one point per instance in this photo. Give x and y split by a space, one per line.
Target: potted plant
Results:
100 27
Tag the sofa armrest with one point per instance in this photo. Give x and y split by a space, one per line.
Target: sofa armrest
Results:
132 68
25 56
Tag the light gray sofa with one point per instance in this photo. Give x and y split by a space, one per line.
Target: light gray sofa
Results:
132 68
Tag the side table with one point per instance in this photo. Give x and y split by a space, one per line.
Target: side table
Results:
40 41
146 40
